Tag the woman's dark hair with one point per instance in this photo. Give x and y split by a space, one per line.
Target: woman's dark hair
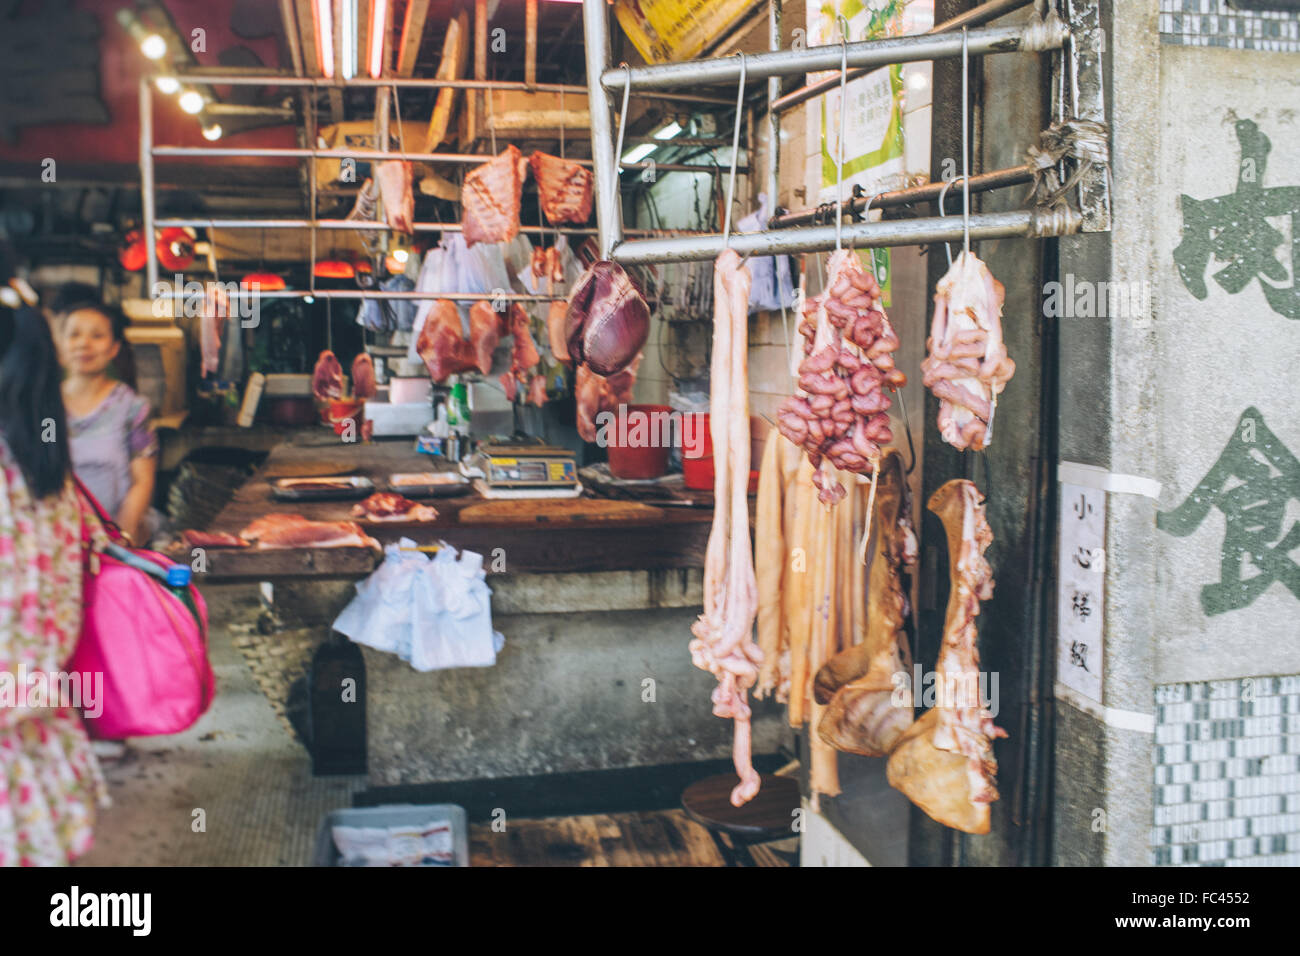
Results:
124 364
32 421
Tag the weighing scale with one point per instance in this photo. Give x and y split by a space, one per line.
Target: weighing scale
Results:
516 470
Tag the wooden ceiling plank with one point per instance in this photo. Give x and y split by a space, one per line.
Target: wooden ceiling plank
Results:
417 11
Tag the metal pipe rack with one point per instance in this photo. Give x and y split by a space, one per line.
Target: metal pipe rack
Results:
798 231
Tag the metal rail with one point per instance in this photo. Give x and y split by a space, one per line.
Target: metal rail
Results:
894 232
238 293
971 18
998 179
866 53
200 223
514 86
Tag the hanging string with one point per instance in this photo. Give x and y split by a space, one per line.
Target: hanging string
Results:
965 145
839 166
735 153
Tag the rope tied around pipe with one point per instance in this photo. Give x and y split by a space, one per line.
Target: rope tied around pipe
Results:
1045 222
1085 141
1046 31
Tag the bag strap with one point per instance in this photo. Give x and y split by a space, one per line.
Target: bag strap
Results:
115 534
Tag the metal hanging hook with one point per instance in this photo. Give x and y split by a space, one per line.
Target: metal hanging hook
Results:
943 215
618 151
735 153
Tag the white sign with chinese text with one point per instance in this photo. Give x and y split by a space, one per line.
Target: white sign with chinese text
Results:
1082 589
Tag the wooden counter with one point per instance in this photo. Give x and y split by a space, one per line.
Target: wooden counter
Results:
664 537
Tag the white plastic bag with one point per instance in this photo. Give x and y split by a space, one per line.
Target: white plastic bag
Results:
454 611
433 614
380 616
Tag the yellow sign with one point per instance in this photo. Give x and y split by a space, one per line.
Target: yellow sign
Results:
667 30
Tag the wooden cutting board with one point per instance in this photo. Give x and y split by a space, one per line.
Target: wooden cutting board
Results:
556 511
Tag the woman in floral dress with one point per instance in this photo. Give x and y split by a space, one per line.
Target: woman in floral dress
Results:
50 782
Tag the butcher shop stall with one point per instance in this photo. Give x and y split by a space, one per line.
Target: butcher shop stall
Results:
641 432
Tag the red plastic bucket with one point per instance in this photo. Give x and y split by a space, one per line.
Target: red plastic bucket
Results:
694 436
638 445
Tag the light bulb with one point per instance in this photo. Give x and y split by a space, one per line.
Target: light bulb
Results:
153 46
212 132
401 255
167 85
191 101
309 299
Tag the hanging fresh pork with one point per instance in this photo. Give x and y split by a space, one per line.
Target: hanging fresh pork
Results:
490 198
724 643
394 178
327 377
608 321
443 346
944 762
565 188
216 307
866 711
555 319
363 376
597 393
967 366
841 413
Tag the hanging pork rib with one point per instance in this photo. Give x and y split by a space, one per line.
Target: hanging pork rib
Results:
394 178
595 394
490 198
363 376
968 365
565 188
608 321
944 762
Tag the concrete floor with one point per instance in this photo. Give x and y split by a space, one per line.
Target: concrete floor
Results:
239 765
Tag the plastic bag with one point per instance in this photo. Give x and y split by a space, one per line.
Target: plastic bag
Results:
771 286
434 614
380 616
454 614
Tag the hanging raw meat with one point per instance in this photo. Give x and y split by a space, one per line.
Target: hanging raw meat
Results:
967 367
537 391
524 359
724 644
547 267
565 188
597 393
216 306
394 177
608 321
363 376
283 531
555 319
841 411
866 711
443 346
490 198
327 377
944 762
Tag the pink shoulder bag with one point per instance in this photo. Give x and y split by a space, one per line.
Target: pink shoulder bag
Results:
149 644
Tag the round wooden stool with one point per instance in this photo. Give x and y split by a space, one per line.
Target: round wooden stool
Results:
769 816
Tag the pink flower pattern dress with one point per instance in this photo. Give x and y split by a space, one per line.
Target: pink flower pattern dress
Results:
50 781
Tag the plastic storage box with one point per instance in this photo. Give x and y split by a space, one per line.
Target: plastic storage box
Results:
397 815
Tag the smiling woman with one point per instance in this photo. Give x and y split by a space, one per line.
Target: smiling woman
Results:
114 451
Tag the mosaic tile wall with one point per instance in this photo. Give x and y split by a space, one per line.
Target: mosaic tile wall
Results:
1216 23
1227 773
